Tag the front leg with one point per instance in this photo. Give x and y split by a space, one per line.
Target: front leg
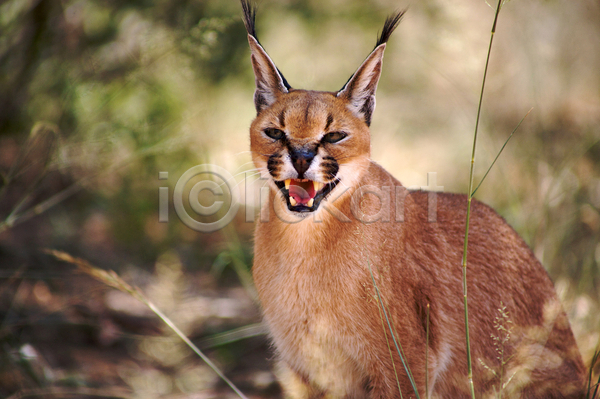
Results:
295 386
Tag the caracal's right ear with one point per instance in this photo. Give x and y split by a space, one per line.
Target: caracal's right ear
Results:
270 83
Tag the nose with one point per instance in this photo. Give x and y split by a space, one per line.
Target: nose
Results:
301 160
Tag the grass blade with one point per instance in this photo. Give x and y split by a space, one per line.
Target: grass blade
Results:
396 343
387 341
113 280
235 335
427 356
470 197
595 359
500 152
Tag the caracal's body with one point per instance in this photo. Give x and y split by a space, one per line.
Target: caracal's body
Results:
319 255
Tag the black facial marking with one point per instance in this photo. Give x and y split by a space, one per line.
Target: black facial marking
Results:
259 101
329 121
282 118
330 167
367 109
273 164
306 111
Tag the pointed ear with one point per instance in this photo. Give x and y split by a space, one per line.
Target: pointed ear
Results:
359 91
269 82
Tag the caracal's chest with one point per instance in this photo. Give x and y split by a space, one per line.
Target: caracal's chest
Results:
308 306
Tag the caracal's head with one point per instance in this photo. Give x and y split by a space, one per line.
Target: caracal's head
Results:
309 144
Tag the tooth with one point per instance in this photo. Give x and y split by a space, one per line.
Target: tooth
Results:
287 184
317 185
293 201
310 202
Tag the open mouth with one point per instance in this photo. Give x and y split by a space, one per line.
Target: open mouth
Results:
304 195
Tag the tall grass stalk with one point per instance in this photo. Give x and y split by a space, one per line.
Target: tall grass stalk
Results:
387 341
470 197
595 359
401 350
500 152
502 324
391 329
427 356
113 280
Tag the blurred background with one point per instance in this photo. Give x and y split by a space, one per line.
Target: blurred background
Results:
99 96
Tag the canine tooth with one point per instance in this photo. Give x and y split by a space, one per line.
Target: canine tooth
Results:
310 202
293 201
287 184
317 185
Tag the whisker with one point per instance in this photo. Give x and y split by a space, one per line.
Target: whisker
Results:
247 177
245 171
255 173
244 164
260 153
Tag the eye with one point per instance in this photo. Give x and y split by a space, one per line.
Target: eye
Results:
334 137
275 134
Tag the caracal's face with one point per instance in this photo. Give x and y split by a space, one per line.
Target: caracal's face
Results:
309 146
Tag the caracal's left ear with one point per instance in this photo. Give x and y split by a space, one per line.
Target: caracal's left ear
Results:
270 83
360 89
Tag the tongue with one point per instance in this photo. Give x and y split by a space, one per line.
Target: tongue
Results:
302 192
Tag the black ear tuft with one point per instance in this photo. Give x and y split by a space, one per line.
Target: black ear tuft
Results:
391 23
360 89
250 24
249 18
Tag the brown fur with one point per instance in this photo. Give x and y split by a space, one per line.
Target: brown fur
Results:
313 268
